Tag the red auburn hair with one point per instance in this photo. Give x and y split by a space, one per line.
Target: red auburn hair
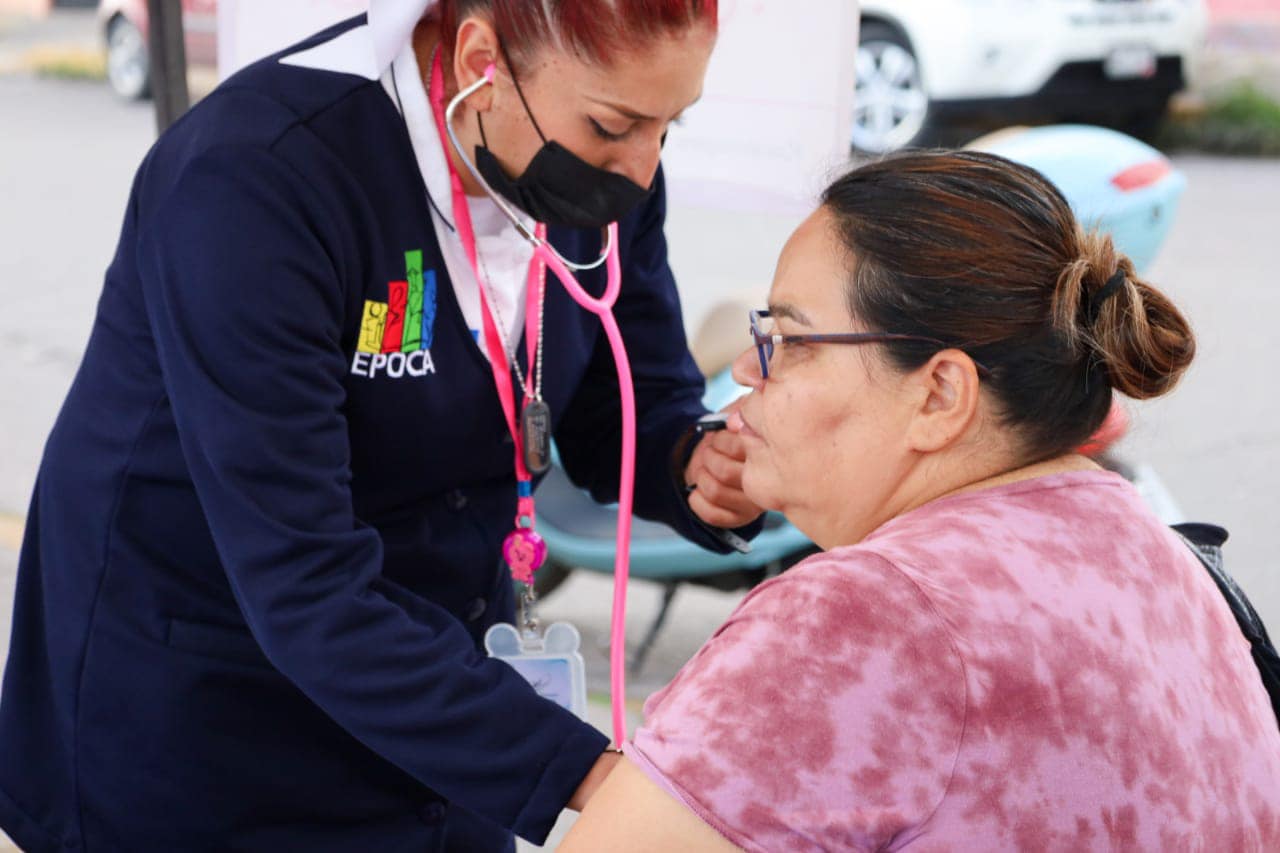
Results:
594 30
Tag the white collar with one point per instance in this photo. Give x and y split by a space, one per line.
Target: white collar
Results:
368 50
428 147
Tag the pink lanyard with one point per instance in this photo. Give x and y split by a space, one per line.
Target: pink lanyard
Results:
492 336
603 308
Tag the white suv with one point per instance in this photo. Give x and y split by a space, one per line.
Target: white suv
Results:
921 62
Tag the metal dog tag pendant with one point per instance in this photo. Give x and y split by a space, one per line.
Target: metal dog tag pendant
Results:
535 434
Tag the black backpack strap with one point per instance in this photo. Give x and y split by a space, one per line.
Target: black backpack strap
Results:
1205 541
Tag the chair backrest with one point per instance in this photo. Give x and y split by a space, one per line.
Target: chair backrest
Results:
1205 541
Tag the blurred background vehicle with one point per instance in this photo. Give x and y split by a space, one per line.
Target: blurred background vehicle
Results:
924 65
124 28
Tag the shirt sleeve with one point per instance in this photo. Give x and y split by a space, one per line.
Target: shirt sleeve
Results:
243 273
668 386
829 708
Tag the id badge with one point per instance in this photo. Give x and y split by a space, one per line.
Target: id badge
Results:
550 662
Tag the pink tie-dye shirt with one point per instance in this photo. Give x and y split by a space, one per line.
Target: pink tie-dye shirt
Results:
1037 666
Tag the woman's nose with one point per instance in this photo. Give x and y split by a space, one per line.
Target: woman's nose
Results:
640 165
746 369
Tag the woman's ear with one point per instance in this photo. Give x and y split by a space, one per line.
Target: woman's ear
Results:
475 49
947 393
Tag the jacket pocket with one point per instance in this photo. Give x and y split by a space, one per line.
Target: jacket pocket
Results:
216 641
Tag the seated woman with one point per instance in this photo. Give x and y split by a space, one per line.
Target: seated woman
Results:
1000 647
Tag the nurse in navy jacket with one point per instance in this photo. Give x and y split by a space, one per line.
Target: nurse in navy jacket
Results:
264 543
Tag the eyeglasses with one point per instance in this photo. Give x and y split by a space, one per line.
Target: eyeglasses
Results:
767 341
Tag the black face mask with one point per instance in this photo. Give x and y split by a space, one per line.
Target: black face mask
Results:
558 187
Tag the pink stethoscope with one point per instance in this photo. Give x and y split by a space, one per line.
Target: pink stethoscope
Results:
545 256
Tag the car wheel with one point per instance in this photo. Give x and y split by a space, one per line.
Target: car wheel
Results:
128 60
890 109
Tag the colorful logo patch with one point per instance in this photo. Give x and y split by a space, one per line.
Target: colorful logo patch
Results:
396 335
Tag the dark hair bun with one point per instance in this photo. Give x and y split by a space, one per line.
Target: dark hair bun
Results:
1141 340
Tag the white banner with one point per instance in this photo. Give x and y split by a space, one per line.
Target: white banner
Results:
251 29
770 132
776 108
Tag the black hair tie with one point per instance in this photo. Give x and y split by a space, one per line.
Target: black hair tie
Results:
1095 301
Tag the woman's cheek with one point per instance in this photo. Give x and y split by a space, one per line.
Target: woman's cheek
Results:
776 459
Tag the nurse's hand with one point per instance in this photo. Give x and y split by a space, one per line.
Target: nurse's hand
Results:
715 470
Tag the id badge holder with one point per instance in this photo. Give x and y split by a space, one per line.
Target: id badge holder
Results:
549 661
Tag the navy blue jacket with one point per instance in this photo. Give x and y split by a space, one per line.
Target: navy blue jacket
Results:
260 559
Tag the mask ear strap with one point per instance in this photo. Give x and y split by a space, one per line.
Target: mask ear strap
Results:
489 74
514 79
